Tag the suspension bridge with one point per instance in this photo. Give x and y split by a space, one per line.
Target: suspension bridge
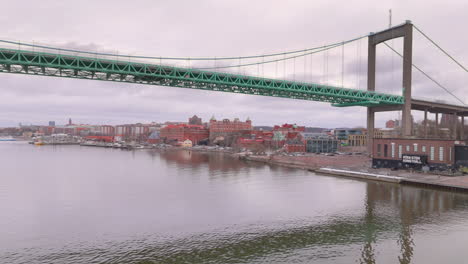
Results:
33 59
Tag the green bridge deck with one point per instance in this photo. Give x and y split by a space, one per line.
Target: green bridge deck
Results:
82 67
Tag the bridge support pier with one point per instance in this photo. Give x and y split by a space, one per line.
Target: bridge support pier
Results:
455 125
370 129
425 123
462 129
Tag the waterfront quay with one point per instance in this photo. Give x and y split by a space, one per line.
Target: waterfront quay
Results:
359 167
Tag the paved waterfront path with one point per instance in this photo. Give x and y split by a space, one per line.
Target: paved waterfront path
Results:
452 182
456 182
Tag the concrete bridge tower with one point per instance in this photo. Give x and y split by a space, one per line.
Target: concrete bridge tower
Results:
406 31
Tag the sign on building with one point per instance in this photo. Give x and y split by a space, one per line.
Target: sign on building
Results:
414 159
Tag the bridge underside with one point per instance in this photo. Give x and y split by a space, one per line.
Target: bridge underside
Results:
439 107
67 66
428 106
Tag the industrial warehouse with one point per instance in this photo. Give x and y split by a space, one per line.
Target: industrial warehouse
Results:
424 154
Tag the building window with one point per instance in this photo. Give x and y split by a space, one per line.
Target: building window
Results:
423 149
432 153
379 149
407 148
441 153
393 150
385 150
400 151
415 147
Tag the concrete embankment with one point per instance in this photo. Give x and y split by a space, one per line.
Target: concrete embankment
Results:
359 167
315 162
361 175
456 183
284 163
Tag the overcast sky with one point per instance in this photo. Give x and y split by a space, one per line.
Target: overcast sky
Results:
217 28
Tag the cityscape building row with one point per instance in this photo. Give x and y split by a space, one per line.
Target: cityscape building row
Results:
225 132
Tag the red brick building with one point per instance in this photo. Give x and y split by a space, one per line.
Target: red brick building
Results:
392 123
195 120
107 139
46 130
106 130
153 140
229 129
387 152
134 131
250 143
181 132
285 128
229 126
295 147
255 139
290 131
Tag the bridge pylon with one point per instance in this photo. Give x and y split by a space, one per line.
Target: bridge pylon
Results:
406 31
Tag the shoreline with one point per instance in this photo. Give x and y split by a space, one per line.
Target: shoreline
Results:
349 166
426 180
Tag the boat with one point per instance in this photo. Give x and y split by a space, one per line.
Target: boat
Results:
117 145
10 138
89 144
39 143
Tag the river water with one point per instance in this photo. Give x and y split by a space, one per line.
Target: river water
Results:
72 204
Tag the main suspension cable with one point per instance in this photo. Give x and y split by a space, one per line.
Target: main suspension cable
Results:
270 61
440 48
173 58
427 75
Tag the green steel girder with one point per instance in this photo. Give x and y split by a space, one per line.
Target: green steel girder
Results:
68 66
361 103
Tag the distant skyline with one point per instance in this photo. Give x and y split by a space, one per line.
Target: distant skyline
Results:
64 122
224 28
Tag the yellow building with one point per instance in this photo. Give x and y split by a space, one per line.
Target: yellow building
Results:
357 140
27 134
187 143
378 133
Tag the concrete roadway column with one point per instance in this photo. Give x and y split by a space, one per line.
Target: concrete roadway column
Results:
425 123
462 131
407 68
437 125
455 124
370 130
